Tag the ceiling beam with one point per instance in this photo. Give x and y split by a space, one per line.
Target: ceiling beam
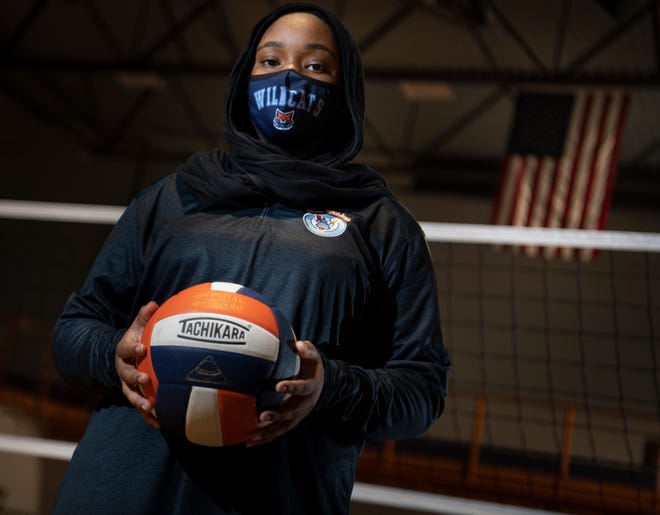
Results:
393 20
38 110
647 9
643 79
463 121
560 40
176 29
517 37
13 40
104 29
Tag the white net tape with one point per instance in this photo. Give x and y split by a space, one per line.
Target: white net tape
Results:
449 232
362 492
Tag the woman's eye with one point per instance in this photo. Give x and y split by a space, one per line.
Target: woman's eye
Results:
269 63
316 67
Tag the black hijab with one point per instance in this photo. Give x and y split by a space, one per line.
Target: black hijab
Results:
255 172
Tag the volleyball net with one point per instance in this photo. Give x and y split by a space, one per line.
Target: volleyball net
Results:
554 397
555 394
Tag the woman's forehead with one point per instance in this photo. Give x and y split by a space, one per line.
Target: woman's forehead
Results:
296 25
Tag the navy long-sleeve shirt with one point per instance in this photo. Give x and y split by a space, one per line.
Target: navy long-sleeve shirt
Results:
366 297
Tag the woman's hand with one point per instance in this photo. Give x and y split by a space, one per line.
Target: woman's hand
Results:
304 392
127 353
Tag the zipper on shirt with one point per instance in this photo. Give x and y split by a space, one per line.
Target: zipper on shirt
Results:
257 221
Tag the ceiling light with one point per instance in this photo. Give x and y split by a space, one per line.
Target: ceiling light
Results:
426 90
139 80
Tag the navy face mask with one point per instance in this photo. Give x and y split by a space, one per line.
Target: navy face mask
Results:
292 111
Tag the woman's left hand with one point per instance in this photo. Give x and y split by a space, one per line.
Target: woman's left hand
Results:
304 392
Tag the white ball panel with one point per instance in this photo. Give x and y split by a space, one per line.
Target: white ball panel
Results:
216 332
230 287
203 424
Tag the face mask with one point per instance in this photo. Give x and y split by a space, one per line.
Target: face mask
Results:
292 111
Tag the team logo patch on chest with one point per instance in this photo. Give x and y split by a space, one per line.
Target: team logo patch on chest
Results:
328 225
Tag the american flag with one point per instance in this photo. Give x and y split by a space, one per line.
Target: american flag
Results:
561 164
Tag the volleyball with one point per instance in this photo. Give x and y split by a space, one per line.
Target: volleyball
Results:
214 354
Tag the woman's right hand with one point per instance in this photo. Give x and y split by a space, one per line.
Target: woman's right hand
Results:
128 352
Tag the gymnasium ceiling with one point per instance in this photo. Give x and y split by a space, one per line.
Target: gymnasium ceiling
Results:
142 81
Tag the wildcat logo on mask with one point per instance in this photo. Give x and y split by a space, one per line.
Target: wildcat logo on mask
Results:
283 121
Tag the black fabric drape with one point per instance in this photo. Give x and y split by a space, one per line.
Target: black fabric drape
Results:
255 172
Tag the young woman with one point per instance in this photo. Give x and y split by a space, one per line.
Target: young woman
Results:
286 213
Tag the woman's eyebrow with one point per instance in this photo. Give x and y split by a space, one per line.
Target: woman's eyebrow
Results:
320 46
309 46
269 44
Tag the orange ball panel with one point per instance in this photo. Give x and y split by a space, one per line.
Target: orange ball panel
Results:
238 414
201 298
149 390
